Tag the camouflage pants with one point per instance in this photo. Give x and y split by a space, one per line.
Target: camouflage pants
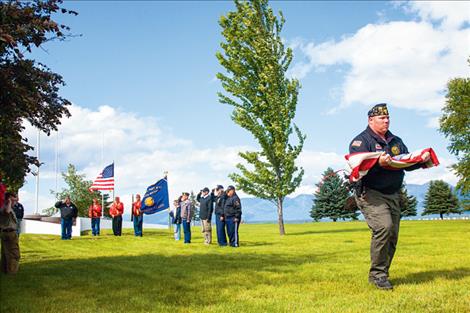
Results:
207 231
382 214
10 258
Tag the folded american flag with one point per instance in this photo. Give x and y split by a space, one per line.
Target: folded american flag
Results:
360 163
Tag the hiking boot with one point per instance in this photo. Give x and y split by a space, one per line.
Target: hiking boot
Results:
381 283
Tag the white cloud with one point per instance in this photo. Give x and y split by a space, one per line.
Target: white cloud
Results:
440 172
404 63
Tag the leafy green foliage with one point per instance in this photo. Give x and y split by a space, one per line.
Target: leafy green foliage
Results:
440 199
263 98
330 198
455 125
408 203
29 90
79 193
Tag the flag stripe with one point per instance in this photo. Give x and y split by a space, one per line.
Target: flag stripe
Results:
105 180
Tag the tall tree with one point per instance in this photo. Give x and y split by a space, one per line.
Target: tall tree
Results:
408 203
330 198
440 199
194 207
29 90
264 100
455 125
78 192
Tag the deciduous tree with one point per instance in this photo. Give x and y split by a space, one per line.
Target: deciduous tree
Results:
264 100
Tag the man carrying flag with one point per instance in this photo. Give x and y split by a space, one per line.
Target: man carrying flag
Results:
377 188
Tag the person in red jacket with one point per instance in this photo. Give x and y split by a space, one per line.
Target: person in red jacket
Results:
94 212
137 216
116 210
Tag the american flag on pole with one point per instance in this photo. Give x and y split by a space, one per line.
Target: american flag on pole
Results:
105 180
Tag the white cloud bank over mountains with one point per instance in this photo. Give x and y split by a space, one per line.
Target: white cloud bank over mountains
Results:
404 63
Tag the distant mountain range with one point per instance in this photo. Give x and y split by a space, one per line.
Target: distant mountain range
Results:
296 209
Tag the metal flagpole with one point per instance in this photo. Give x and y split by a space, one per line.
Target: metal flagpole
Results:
38 144
102 166
57 165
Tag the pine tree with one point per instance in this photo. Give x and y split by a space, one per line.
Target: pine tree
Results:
264 100
408 203
194 207
440 199
330 198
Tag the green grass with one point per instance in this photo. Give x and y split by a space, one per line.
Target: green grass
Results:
319 267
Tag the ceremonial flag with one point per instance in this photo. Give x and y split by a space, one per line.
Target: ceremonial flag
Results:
156 198
360 163
105 180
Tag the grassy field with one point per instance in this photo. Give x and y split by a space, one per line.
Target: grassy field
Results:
319 267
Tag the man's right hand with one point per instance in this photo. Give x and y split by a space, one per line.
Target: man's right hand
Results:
385 159
221 218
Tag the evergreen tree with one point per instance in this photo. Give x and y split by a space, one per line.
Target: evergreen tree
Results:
264 100
194 207
330 198
78 192
440 199
408 203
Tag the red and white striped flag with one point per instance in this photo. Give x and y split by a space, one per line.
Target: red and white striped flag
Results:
105 180
360 163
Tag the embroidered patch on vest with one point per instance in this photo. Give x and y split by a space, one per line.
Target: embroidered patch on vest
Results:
378 146
395 150
356 143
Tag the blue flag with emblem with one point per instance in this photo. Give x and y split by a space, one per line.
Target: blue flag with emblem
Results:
156 198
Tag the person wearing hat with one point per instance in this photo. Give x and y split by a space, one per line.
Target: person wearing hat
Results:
186 211
206 207
219 199
232 215
68 212
377 193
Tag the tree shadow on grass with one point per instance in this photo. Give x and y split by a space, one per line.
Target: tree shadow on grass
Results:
143 283
330 231
427 276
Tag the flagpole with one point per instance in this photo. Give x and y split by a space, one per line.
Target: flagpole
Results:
102 166
38 146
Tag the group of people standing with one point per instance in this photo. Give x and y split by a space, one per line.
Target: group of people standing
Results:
68 212
224 203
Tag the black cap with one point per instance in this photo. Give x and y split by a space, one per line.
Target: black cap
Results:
378 109
219 187
186 193
230 188
205 189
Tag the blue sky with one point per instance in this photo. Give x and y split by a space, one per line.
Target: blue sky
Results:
145 72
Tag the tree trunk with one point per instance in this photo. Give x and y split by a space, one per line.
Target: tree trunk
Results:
280 217
334 220
442 216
